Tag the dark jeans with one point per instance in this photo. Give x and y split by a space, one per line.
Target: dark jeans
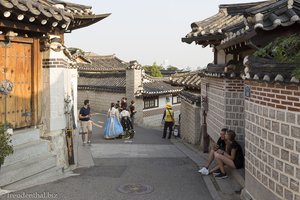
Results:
166 126
126 123
132 120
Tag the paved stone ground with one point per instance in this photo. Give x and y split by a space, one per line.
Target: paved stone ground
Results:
146 164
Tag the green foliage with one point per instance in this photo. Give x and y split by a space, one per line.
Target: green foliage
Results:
172 68
153 70
5 145
297 73
283 50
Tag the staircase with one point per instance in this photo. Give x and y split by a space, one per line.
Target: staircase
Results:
31 158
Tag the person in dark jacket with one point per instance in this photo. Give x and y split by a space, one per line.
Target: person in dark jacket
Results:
233 156
219 145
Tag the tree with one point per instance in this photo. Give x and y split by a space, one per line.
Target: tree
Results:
283 50
172 68
153 70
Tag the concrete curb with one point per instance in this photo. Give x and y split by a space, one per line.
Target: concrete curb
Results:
199 158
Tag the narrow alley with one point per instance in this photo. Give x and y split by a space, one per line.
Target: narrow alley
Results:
146 167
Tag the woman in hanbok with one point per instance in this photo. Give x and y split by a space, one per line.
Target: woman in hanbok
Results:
113 127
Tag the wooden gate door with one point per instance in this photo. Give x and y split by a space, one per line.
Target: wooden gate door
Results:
16 66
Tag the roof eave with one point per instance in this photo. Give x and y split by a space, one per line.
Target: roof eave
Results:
84 21
204 39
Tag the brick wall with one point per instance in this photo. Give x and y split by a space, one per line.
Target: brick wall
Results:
225 106
272 143
100 101
190 123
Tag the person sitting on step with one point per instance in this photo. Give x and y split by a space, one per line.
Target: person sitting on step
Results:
233 159
219 146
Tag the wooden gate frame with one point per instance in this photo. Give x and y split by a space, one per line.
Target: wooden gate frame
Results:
36 75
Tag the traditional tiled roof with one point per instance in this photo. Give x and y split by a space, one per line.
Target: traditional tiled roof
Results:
148 78
261 69
236 23
271 14
104 64
191 97
159 87
54 14
265 16
109 82
190 80
230 70
108 73
210 30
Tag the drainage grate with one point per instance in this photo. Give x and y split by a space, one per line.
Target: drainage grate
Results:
135 188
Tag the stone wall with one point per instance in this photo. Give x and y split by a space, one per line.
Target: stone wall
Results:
234 108
100 101
272 142
225 106
190 122
213 89
59 78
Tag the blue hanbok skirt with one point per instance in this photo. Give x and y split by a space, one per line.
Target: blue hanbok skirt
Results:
112 128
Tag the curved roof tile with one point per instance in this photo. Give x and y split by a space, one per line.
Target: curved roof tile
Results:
189 80
159 87
190 97
211 29
268 70
267 16
236 20
74 15
104 63
110 82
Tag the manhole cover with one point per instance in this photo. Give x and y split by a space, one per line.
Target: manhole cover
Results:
135 188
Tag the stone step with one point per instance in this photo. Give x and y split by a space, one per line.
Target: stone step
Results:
26 151
44 177
26 168
239 176
228 188
24 136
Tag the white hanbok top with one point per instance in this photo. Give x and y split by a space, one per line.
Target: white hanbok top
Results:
124 113
113 112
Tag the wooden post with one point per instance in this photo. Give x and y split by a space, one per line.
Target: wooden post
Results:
205 135
69 138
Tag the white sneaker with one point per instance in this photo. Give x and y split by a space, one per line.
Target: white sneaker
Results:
204 171
201 170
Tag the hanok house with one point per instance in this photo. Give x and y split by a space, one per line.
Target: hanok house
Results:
38 82
190 126
107 79
264 105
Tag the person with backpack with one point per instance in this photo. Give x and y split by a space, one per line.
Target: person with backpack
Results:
168 119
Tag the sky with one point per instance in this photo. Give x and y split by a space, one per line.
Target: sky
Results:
147 31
